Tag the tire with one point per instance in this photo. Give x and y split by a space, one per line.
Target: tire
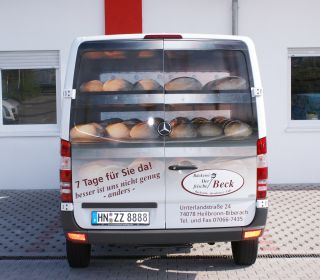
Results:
245 252
78 254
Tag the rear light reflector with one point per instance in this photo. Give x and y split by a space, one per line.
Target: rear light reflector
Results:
251 234
65 176
77 237
262 146
262 168
262 173
66 197
65 148
163 36
65 172
261 194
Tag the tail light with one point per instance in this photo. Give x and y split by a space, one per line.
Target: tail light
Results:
262 168
77 237
252 234
65 172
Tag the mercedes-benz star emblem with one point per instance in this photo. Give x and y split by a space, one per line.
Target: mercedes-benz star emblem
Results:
164 129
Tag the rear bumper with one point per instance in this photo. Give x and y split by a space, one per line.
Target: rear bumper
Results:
163 236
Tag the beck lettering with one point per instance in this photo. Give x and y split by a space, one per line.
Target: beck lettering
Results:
221 184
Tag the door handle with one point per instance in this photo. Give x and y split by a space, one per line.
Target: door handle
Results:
182 167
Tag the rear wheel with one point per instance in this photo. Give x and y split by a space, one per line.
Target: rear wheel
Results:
78 254
245 252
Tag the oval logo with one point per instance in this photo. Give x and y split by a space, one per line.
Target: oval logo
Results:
212 182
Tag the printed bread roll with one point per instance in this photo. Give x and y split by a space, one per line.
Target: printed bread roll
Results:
90 171
221 121
117 85
178 120
198 121
92 86
93 169
131 122
88 131
118 130
237 129
93 55
209 130
115 54
143 131
106 122
183 131
172 54
183 83
146 54
154 121
147 84
227 83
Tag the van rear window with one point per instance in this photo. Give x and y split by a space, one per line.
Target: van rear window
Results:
127 92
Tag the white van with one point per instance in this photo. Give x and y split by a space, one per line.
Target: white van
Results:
163 142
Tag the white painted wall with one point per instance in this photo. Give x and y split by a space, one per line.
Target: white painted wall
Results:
274 26
29 162
187 16
33 162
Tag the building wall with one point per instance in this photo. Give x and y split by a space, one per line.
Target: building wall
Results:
275 26
33 161
187 16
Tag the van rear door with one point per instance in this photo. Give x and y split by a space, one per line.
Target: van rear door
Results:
211 152
118 177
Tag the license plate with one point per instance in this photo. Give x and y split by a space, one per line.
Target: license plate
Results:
119 217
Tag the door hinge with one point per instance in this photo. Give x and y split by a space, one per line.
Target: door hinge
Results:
256 91
69 93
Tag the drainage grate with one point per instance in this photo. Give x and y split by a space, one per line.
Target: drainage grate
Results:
169 257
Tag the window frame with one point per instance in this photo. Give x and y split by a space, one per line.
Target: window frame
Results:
299 125
33 129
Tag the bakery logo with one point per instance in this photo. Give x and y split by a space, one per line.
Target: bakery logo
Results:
164 129
212 182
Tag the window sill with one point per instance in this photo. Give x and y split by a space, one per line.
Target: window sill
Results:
29 133
303 126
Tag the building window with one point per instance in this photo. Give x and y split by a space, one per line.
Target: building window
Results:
305 86
29 96
29 92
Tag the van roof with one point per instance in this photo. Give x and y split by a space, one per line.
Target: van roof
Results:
184 36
